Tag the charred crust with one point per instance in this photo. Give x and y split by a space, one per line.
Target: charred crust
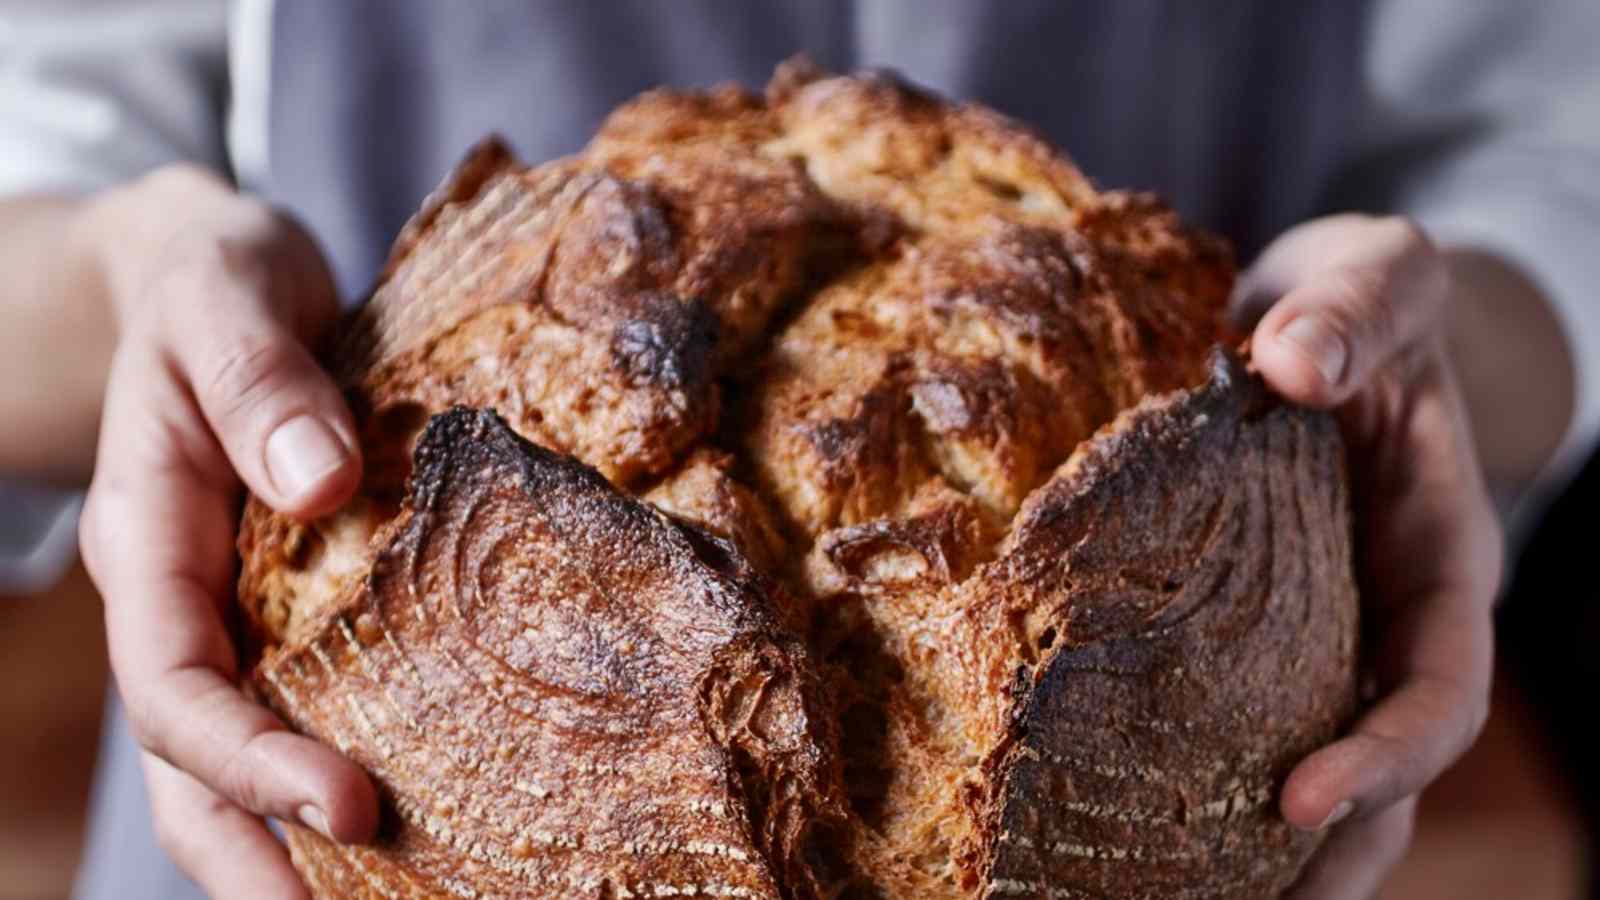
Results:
1231 377
672 348
476 445
1169 643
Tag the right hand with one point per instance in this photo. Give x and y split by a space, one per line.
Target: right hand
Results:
212 389
1352 313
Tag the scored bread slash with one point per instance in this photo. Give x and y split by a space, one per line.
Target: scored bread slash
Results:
1180 560
825 494
523 617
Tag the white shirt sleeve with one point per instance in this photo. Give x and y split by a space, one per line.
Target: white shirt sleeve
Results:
1484 124
93 92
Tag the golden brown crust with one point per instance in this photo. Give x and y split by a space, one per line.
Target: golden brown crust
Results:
617 678
928 445
705 492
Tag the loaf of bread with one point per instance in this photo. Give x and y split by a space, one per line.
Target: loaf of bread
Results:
824 494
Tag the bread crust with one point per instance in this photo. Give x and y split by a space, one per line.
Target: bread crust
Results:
867 509
1169 578
561 690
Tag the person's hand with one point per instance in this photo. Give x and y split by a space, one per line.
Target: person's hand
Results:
1352 312
212 388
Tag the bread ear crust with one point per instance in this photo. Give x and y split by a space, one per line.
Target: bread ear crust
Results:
1166 579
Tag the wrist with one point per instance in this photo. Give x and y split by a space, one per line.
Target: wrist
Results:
1507 345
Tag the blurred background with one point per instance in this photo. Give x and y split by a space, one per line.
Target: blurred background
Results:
53 679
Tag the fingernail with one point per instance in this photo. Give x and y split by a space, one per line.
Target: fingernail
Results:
312 818
301 453
1336 815
1318 341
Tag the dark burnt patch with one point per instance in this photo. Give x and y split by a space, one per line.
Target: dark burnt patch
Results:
671 346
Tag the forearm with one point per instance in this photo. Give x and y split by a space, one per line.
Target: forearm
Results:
73 263
1515 367
56 339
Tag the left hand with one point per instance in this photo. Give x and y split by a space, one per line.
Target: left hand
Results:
213 387
1354 319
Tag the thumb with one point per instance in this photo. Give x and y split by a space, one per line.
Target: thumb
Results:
281 421
279 417
1351 292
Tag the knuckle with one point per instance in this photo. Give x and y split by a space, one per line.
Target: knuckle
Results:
142 723
243 259
1405 233
207 264
1350 288
1400 828
89 531
1404 760
235 782
1376 312
1477 716
245 373
183 176
206 259
1487 556
1350 219
238 780
1362 311
1419 261
103 507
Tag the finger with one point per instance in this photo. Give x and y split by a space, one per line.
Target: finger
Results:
157 534
240 345
1436 654
1432 558
1349 296
227 851
175 666
1393 753
1357 857
1291 257
1426 520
